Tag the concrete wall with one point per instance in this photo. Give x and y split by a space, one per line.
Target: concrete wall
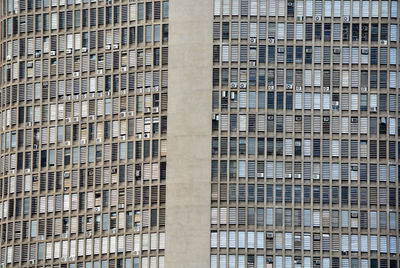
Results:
189 134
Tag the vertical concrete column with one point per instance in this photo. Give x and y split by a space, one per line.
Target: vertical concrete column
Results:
189 134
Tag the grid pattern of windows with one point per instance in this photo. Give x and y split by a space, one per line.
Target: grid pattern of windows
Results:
83 133
305 151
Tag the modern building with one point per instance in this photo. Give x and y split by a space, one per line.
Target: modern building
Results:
212 133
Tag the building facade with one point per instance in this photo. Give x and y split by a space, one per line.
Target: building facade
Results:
305 134
213 133
84 88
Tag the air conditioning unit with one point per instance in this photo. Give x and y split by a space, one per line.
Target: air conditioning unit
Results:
52 53
383 42
107 94
100 71
345 253
92 95
308 50
66 174
123 92
135 252
270 235
123 114
346 18
64 259
122 137
373 109
67 143
123 69
327 88
35 146
318 18
297 176
84 49
260 175
76 119
76 97
108 47
12 171
354 168
271 40
37 54
65 235
91 117
317 262
234 85
269 260
121 206
336 50
364 51
68 98
253 40
138 136
316 176
288 176
156 89
84 96
116 46
281 50
28 124
300 18
147 89
354 214
364 89
326 119
243 85
97 209
29 64
224 94
28 170
32 261
131 113
155 109
147 109
139 90
298 88
68 51
233 95
8 57
99 94
83 141
41 237
113 231
146 136
289 86
76 74
114 170
354 120
72 259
